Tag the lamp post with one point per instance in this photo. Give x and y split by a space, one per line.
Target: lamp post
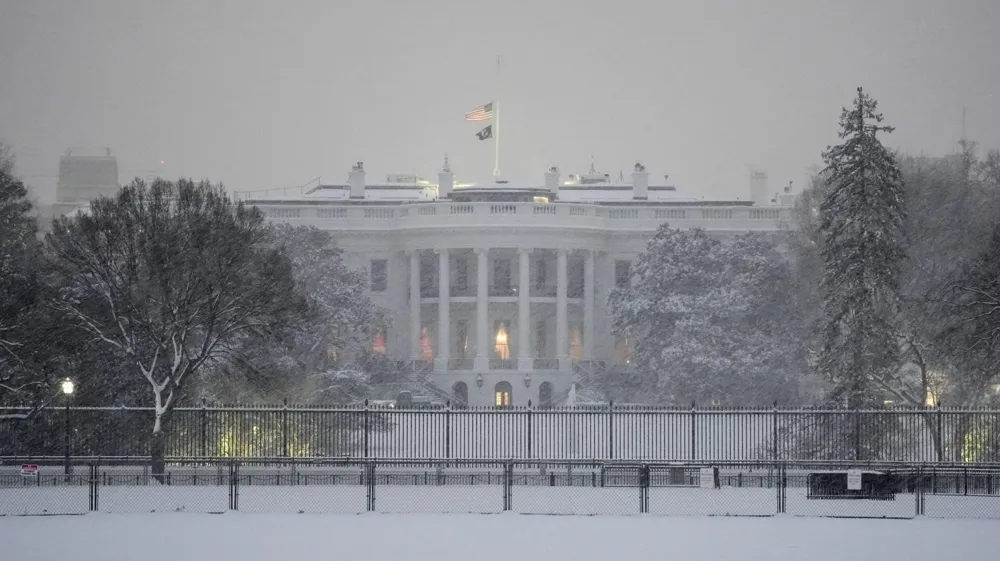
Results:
67 388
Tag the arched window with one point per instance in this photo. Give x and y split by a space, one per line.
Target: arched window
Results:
460 391
545 394
503 394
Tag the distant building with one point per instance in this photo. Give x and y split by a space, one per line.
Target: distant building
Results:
84 177
498 290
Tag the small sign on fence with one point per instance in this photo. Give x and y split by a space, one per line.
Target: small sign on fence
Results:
29 470
854 480
706 478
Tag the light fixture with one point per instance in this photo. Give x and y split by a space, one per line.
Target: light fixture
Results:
479 380
527 380
67 386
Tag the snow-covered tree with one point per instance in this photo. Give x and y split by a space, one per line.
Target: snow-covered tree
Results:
169 275
861 222
329 345
712 322
21 381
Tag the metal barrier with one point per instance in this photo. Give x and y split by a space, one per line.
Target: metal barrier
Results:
591 432
704 487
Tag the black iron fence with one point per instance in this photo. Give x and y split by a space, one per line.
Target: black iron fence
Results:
607 432
765 488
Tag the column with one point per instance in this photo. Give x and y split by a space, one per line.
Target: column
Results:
588 305
414 305
482 362
444 315
524 361
562 327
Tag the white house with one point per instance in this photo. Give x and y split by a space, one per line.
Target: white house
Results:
498 290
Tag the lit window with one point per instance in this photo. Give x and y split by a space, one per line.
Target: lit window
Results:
378 343
501 348
576 344
426 345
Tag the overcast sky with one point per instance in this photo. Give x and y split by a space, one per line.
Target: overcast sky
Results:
261 94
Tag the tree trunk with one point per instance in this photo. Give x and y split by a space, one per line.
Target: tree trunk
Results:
158 447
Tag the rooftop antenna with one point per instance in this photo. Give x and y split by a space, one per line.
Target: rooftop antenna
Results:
447 166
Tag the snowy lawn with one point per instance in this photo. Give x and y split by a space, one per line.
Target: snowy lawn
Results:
377 537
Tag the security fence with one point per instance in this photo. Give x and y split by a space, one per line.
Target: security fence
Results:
607 432
842 489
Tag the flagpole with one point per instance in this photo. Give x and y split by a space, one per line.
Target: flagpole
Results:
496 127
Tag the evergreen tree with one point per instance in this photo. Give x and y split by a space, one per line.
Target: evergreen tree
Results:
861 222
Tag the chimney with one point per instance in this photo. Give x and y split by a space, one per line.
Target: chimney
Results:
357 181
446 180
640 182
758 187
552 181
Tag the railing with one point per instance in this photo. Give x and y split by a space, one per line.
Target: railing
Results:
546 364
503 364
336 215
502 291
460 364
595 431
542 486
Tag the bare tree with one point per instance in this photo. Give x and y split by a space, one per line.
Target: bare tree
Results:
168 275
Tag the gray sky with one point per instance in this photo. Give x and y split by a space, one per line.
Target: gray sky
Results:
271 94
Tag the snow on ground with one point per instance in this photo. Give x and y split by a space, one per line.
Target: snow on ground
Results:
383 537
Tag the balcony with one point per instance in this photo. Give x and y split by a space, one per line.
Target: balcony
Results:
546 364
503 291
460 363
543 291
503 364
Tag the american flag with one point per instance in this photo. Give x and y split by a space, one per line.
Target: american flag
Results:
481 113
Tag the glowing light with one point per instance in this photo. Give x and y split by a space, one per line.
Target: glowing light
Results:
67 386
161 162
501 348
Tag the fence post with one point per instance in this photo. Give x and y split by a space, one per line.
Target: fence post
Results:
644 483
447 429
366 427
508 484
774 434
940 432
284 428
857 435
370 481
694 431
611 430
529 428
93 487
203 448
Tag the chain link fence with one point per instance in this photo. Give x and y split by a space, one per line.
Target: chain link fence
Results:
581 487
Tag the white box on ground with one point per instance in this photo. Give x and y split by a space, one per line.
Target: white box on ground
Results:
854 480
707 478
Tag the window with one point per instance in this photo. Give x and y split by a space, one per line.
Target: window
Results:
379 342
502 394
501 346
623 350
540 274
428 272
426 345
623 273
574 280
501 276
576 343
461 338
461 274
541 343
380 275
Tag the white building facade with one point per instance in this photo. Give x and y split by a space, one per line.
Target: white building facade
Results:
497 292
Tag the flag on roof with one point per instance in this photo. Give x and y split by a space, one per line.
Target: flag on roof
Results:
485 133
481 113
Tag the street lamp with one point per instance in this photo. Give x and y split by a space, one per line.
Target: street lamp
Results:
527 380
479 380
67 388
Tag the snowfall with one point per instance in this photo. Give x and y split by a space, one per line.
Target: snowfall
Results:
417 537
